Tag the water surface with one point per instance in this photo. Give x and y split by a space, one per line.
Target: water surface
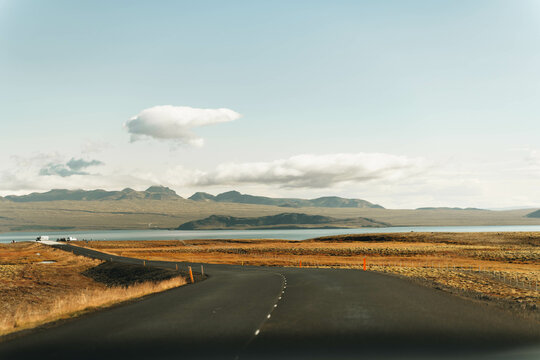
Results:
296 234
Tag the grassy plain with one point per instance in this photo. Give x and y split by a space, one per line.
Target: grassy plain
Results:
503 267
169 214
33 293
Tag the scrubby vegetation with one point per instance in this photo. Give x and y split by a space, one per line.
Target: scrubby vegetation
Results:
39 284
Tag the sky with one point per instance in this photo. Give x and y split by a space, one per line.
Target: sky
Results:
405 104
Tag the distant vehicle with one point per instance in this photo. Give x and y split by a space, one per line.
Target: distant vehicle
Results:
41 237
69 238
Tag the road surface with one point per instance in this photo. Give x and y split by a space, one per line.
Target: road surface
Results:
286 313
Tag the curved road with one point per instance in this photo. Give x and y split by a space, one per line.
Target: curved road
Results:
279 313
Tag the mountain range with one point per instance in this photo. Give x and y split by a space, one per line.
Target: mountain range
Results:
161 208
328 201
152 193
164 193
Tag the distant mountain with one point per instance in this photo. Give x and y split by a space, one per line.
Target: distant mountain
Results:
534 214
161 193
280 221
329 201
202 196
152 193
448 208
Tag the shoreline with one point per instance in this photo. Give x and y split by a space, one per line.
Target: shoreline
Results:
287 233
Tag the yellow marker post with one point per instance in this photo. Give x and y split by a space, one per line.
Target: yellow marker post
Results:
364 264
191 275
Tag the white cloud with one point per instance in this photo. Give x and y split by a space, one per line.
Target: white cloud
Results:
72 167
390 180
313 171
169 122
47 171
19 180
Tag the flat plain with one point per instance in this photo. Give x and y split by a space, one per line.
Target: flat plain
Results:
498 267
169 214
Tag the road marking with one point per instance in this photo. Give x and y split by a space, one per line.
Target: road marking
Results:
257 332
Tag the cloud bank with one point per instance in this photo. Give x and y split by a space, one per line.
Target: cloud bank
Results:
169 122
312 171
72 167
392 180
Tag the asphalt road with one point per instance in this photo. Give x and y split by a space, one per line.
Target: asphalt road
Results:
279 313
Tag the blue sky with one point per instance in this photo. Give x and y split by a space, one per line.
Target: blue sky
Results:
428 103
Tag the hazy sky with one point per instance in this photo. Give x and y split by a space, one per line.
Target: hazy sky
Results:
403 103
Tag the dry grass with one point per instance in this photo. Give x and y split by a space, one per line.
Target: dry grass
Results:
503 266
32 293
29 315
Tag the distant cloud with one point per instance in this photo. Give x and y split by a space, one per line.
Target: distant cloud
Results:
94 146
78 164
72 167
169 122
313 171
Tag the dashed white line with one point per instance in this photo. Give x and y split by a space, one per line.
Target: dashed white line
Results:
257 332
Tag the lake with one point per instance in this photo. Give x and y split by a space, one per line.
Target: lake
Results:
297 234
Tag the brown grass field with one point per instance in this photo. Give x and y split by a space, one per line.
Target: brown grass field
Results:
503 267
34 293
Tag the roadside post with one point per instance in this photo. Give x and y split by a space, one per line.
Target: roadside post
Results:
202 270
191 275
364 264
